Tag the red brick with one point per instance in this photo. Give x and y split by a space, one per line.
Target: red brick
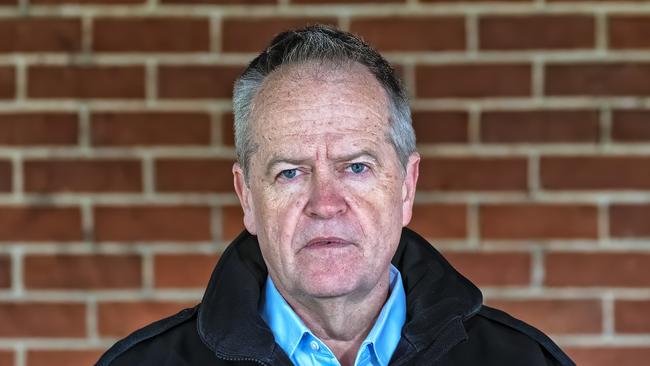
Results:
40 34
469 1
118 319
87 2
629 221
608 356
6 356
631 126
591 172
183 270
228 129
5 273
223 2
232 222
152 223
38 128
528 221
111 82
536 32
6 176
87 272
194 175
254 34
473 80
439 221
539 126
630 316
405 33
150 128
473 174
629 32
556 316
151 34
62 357
198 81
493 269
345 1
440 127
598 79
615 269
7 82
40 223
96 175
29 319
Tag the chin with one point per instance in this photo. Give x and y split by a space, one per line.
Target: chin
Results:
332 284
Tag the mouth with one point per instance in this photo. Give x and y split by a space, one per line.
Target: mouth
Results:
327 242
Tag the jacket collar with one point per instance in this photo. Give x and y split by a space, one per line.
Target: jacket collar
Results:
438 299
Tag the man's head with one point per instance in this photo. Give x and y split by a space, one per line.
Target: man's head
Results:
327 166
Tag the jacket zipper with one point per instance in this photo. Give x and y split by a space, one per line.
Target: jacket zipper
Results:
241 359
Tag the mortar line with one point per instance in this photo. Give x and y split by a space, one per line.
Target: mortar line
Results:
216 223
216 34
151 86
148 176
216 128
87 220
21 354
472 36
473 225
474 125
409 79
17 257
601 32
17 178
534 182
537 78
538 273
608 308
603 223
87 31
84 127
148 272
20 79
605 124
92 327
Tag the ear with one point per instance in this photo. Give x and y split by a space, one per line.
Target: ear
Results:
245 198
408 187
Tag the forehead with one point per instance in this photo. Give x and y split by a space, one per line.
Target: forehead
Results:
308 101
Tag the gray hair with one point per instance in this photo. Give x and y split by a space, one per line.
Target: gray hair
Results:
321 44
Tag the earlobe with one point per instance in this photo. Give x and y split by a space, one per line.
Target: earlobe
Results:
244 195
408 187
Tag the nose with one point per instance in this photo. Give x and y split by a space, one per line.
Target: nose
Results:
325 198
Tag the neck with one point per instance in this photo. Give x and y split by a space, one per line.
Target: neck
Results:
342 323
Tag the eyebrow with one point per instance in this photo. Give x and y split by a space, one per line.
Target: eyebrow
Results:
280 159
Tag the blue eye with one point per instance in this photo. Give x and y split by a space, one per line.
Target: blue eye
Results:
357 168
289 173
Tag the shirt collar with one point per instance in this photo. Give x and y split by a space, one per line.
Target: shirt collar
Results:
288 329
385 334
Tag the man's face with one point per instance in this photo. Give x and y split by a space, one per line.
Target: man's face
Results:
326 196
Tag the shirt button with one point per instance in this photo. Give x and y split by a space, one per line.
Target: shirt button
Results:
314 346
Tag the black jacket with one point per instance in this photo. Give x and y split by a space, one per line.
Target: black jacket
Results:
446 322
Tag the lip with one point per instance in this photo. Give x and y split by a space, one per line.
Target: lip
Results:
327 242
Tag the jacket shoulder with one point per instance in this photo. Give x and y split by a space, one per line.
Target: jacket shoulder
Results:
557 356
147 333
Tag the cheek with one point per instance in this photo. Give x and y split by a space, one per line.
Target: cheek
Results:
277 214
377 205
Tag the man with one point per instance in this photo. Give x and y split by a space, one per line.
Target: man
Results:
326 177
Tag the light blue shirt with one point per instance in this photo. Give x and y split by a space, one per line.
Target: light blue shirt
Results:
305 349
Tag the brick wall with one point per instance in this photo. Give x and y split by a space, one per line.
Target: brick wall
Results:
533 119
